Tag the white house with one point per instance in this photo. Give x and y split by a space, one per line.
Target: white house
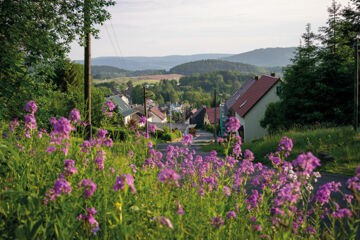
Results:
124 109
250 106
156 116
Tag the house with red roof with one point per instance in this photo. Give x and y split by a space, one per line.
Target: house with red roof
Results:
211 115
155 115
250 107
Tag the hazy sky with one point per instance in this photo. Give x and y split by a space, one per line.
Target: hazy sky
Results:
167 27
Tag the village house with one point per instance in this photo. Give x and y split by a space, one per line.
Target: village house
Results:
250 107
124 109
156 115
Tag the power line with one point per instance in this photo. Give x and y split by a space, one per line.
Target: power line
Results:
116 39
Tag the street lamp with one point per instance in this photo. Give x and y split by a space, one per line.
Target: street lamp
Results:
145 86
356 84
221 116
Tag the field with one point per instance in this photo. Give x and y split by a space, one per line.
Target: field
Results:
58 185
138 80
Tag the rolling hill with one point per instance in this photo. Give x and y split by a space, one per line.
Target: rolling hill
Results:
212 65
269 57
143 63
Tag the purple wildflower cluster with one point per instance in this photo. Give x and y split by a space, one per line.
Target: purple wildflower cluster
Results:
187 139
61 186
163 221
120 182
233 124
89 187
89 218
30 121
108 108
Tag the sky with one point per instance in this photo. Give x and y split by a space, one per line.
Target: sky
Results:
182 27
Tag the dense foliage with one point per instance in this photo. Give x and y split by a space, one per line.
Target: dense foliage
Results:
34 39
319 85
196 89
211 65
108 72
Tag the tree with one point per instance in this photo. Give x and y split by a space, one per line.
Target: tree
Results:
34 37
299 91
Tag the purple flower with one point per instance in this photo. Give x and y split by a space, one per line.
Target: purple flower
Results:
257 227
152 128
253 219
120 183
31 107
14 123
187 139
164 221
344 212
231 214
227 190
323 193
62 186
237 150
62 126
51 149
219 140
100 158
307 162
110 105
90 187
69 167
74 115
180 209
233 124
142 120
217 222
90 219
102 133
286 145
168 176
248 155
30 122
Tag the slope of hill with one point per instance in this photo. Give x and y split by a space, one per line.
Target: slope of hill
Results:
142 63
108 72
212 65
264 57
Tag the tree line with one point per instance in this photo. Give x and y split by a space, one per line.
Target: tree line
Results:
319 85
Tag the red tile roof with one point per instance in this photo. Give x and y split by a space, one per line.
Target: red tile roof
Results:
211 112
157 112
255 92
244 87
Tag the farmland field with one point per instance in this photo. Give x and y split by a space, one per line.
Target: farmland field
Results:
150 79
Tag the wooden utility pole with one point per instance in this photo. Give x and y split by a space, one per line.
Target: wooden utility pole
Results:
145 109
87 67
215 114
356 85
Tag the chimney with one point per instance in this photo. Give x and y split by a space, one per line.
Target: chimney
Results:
273 74
256 77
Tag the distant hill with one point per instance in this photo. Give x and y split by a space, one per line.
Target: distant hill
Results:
108 72
143 63
212 65
264 57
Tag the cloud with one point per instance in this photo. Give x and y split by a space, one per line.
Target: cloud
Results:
161 27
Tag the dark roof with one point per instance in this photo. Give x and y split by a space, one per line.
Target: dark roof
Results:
124 108
211 112
245 86
157 112
198 117
254 93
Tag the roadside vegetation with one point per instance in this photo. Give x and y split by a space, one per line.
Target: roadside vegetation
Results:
337 147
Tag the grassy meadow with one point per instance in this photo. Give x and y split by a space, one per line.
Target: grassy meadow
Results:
342 143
